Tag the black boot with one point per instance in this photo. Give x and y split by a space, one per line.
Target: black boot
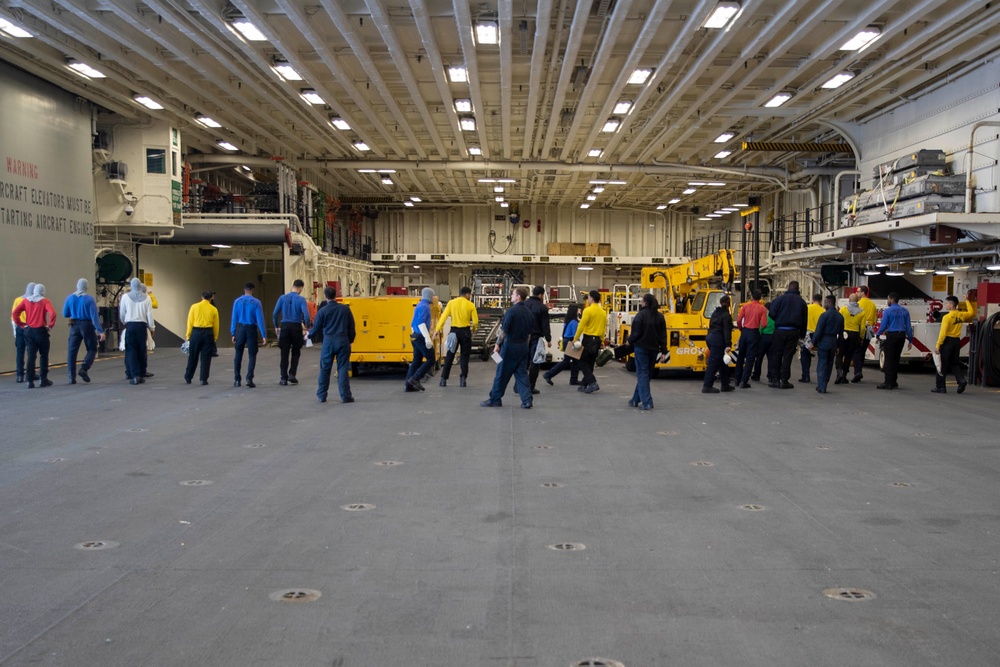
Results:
461 381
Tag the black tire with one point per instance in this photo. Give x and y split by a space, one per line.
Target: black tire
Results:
355 369
630 364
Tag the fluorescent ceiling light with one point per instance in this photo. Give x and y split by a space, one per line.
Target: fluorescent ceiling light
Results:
881 265
238 260
923 270
85 70
387 171
598 182
661 207
487 180
361 146
497 188
705 219
992 266
862 40
730 209
674 201
498 198
416 266
148 102
639 76
286 71
225 145
246 168
339 123
584 268
11 30
408 204
207 122
616 182
487 32
894 272
458 74
221 245
741 205
463 106
696 183
777 100
386 181
838 80
584 205
611 125
504 204
594 152
591 197
959 265
366 171
598 190
506 180
721 212
416 199
871 271
715 184
689 191
721 15
249 30
475 150
622 107
724 137
722 155
311 96
467 123
713 215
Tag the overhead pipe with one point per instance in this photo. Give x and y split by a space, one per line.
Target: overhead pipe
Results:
969 188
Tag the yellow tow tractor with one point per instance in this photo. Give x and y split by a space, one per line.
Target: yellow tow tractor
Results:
688 294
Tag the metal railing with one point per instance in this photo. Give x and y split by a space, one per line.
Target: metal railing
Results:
796 230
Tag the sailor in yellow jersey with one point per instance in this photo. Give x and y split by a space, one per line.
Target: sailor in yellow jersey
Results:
871 313
590 336
813 311
949 341
202 332
852 349
464 320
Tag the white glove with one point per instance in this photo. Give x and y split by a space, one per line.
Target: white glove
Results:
577 345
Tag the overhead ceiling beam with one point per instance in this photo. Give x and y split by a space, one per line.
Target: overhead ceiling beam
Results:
542 20
573 41
463 21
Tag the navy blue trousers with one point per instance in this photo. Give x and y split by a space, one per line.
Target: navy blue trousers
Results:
341 349
514 364
81 331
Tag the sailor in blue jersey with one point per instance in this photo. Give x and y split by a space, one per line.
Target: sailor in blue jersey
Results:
84 327
248 319
291 322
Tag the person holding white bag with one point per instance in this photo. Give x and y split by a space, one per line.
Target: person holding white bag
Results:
136 312
540 330
423 344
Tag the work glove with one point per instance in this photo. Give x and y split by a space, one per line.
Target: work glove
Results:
577 345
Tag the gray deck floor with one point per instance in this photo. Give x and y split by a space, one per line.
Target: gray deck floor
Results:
892 492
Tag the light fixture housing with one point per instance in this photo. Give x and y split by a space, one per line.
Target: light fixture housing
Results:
221 245
340 123
416 199
598 190
226 146
361 146
959 265
249 31
895 272
595 152
11 30
689 191
871 271
85 70
408 204
207 122
387 181
467 123
591 197
584 205
943 272
778 100
611 124
239 260
487 32
504 204
622 107
498 198
475 150
661 207
147 102
311 96
863 39
721 15
838 80
724 137
497 188
993 264
640 76
722 155
285 71
463 105
675 200
458 74
584 268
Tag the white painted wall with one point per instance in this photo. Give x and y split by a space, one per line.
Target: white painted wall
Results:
44 148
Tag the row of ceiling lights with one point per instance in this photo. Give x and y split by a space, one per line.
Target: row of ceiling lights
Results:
922 269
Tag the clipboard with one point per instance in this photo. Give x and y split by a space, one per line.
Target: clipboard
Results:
572 353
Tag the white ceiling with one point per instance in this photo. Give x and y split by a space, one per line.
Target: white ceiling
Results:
540 97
